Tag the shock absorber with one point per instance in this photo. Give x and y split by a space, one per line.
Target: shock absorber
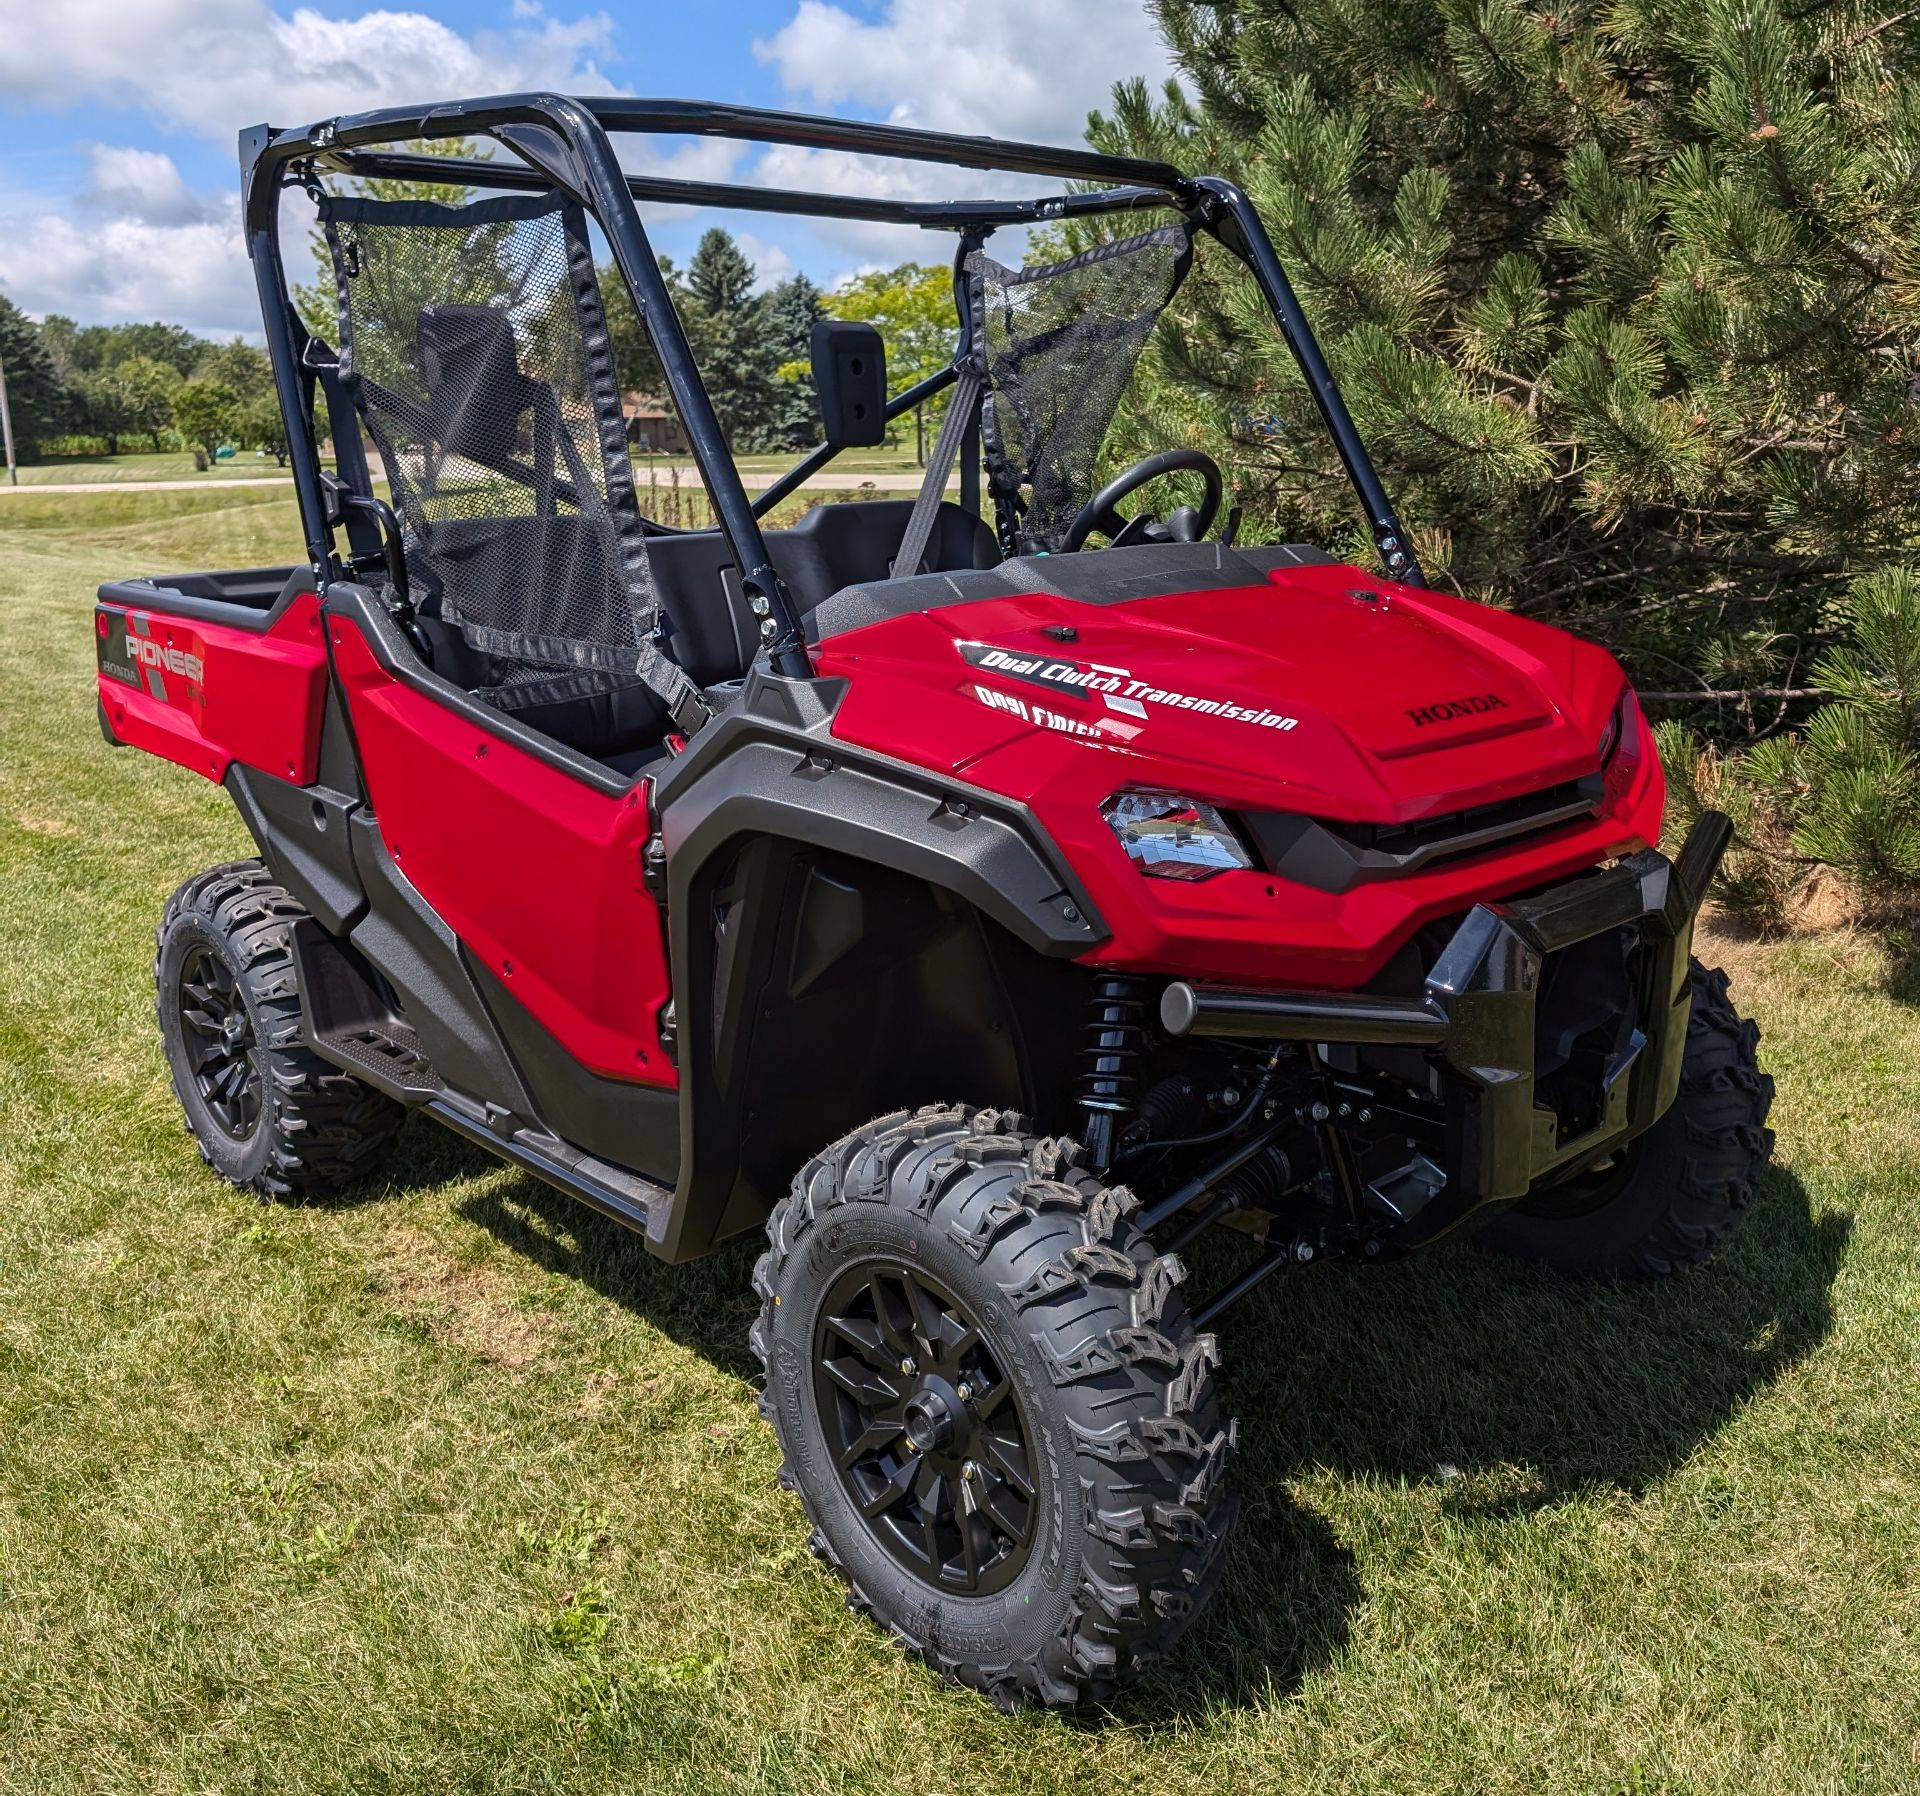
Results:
1110 1075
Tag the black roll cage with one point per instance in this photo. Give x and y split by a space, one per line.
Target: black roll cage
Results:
565 143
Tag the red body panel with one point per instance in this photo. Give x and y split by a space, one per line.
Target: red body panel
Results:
1324 692
538 873
206 695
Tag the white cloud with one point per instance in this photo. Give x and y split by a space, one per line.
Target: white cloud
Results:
771 263
213 66
1030 69
137 242
124 182
116 270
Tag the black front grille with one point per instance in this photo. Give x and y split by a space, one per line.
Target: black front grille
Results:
1334 856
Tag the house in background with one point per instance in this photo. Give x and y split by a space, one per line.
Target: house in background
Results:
652 428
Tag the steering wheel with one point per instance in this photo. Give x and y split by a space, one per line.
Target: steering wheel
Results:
1185 526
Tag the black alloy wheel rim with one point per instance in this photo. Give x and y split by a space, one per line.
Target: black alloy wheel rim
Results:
1584 1193
220 1043
925 1429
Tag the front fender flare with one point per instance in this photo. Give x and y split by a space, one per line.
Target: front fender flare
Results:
769 768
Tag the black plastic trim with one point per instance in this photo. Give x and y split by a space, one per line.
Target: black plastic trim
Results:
419 956
635 1126
771 766
171 593
301 832
1331 856
1088 577
608 1189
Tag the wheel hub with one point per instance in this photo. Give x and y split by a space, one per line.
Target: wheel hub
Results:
925 1429
217 1032
930 1418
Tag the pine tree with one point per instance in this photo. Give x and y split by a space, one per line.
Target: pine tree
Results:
36 400
793 308
1622 294
726 326
1844 792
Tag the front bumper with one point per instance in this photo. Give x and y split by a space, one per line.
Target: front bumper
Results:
1479 1015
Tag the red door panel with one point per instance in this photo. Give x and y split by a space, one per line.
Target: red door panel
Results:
538 873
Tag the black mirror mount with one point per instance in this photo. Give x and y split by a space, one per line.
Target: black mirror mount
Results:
850 376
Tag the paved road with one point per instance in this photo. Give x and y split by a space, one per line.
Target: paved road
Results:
755 482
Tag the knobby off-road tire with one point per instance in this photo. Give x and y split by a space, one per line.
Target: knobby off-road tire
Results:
224 953
1680 1189
1111 1384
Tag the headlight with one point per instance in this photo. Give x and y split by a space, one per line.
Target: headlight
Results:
1170 837
1617 726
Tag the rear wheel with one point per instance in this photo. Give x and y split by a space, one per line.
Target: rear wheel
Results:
993 1404
1674 1194
269 1114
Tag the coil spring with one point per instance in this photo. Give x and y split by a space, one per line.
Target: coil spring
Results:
1116 1037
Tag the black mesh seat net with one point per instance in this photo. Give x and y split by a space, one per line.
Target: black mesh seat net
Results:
1058 344
473 341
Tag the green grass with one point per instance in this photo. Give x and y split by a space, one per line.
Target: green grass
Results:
452 1488
75 470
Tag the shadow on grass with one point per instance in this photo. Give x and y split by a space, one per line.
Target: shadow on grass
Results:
1505 1388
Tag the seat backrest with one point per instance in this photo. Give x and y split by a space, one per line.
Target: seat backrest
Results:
711 632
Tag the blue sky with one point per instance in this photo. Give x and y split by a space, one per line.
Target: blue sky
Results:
117 117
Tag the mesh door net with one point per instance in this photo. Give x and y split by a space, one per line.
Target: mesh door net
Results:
1060 343
473 338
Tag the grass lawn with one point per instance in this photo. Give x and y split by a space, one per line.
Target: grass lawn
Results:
452 1488
77 470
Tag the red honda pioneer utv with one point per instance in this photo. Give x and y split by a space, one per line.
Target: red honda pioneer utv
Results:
983 912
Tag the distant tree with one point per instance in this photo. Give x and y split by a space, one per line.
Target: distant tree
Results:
36 399
100 407
171 345
61 336
258 424
135 395
726 326
720 278
792 310
206 411
912 308
87 349
147 388
239 365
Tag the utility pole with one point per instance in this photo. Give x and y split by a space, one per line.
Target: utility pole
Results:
6 426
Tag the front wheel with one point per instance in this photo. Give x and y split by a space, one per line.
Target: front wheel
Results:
1671 1197
993 1404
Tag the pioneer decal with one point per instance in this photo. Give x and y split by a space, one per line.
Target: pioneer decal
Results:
174 661
1475 705
127 651
1115 688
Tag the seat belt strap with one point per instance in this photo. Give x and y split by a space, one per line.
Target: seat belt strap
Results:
964 405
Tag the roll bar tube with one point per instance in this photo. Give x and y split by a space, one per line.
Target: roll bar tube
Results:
565 141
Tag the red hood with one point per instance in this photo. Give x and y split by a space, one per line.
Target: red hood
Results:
1323 690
